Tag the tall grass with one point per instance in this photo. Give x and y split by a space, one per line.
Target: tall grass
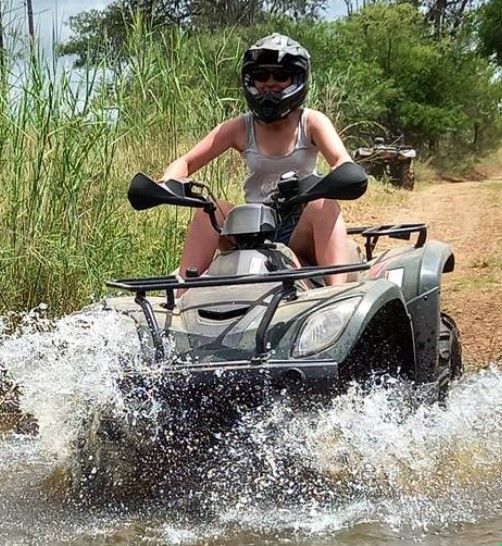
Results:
56 167
65 224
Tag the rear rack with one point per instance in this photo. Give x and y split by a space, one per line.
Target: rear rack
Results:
394 231
169 283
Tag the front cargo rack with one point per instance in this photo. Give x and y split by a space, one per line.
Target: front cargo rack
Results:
169 283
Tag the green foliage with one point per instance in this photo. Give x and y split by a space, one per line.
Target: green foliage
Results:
102 33
490 29
98 34
435 90
215 14
385 66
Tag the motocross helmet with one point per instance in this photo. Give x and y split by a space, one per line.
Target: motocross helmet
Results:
283 53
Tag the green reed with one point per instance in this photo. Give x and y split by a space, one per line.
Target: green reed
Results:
65 224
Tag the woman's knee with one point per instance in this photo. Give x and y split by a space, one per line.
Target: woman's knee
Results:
222 210
322 211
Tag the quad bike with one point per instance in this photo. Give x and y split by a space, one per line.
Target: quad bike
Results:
278 325
254 327
393 159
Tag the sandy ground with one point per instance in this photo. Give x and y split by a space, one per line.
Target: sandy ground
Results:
468 216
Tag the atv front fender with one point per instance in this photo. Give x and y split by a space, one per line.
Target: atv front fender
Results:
425 309
382 311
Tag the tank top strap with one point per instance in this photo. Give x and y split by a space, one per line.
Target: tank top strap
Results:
303 139
250 139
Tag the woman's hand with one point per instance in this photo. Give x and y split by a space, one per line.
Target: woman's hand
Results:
177 170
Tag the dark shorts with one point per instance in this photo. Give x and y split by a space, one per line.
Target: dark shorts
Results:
286 228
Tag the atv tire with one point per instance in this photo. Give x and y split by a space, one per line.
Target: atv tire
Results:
406 176
376 169
450 353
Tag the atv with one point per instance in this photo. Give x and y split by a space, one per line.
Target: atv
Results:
254 328
256 319
393 159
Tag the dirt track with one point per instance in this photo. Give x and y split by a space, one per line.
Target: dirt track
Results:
467 215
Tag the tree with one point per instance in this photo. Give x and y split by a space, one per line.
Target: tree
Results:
224 13
490 29
353 6
99 33
102 33
96 34
435 89
445 15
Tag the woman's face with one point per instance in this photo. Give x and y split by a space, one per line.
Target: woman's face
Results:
271 79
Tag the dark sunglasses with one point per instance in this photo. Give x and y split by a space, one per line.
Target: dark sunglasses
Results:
263 75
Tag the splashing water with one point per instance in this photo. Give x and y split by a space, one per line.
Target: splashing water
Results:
369 462
66 369
370 458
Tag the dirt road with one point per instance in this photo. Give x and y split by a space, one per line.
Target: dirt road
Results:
468 216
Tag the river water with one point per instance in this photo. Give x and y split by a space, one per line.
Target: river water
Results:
367 470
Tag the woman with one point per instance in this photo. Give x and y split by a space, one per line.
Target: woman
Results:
276 136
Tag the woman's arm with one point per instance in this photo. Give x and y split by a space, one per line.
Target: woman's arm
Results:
326 138
222 137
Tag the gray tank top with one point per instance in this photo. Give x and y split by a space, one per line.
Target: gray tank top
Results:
265 171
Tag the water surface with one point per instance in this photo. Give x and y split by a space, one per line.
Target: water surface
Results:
368 469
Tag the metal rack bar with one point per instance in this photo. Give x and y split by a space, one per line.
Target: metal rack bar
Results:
151 284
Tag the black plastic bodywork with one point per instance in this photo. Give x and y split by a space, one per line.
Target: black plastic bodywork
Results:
346 182
144 193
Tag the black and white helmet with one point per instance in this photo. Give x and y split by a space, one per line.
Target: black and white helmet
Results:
282 52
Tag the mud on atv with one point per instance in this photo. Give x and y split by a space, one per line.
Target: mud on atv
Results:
393 159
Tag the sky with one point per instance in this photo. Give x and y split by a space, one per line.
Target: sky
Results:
50 15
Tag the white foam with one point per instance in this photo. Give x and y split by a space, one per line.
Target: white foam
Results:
67 368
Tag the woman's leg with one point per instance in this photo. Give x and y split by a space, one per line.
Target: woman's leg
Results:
202 240
321 237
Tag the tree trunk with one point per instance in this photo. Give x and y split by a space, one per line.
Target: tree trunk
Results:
437 15
29 13
2 52
475 136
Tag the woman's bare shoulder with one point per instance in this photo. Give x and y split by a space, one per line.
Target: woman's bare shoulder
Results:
314 117
314 120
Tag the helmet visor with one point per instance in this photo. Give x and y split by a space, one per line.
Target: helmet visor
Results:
263 74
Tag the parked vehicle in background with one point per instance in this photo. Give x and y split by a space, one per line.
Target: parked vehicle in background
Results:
393 159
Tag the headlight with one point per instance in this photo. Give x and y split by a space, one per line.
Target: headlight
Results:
324 327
